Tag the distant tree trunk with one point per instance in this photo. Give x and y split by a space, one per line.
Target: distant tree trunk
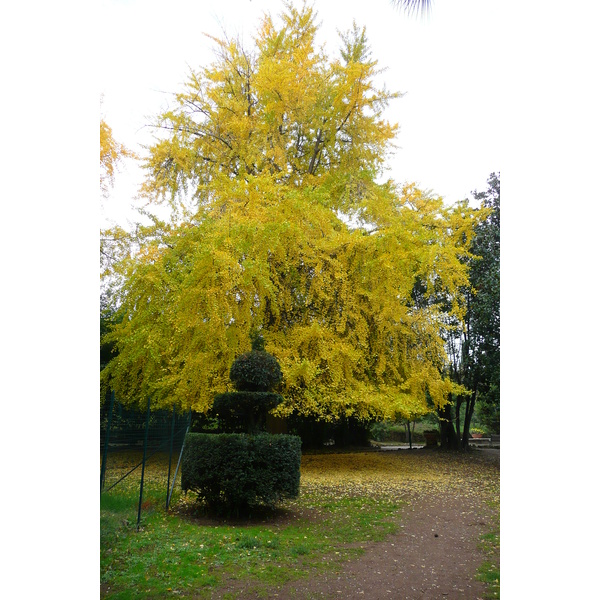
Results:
457 416
469 409
468 414
449 439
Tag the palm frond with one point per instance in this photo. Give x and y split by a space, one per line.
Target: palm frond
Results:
413 6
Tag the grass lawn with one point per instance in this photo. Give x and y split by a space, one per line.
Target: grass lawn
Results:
489 571
346 500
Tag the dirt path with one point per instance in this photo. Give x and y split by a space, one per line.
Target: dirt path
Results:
434 556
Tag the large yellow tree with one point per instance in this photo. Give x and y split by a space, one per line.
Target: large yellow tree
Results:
270 160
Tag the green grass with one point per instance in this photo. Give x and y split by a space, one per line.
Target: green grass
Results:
489 571
174 555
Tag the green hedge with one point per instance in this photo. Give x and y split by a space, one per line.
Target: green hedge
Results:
232 472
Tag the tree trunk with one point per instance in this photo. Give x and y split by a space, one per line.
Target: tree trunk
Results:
469 409
468 414
457 416
449 439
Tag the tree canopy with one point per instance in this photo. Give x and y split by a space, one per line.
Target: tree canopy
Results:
272 160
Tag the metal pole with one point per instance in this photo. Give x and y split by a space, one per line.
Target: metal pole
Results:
143 465
180 455
170 456
107 437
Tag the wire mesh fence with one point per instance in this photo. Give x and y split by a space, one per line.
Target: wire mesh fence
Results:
131 440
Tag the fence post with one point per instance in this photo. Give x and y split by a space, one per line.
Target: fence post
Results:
106 439
143 465
189 423
170 457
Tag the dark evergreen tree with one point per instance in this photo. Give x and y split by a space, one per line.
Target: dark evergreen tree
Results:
475 351
485 308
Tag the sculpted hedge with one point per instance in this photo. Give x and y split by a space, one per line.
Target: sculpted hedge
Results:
232 472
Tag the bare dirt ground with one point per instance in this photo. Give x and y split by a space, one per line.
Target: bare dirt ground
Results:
434 556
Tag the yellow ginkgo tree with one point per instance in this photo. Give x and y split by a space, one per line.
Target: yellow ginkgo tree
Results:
271 160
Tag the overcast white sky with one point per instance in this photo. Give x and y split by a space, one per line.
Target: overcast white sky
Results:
446 64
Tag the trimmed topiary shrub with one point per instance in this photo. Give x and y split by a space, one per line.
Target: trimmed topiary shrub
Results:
231 471
234 472
253 374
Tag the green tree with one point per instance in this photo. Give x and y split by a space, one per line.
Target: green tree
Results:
486 306
271 160
475 348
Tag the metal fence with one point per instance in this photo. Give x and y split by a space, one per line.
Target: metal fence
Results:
130 439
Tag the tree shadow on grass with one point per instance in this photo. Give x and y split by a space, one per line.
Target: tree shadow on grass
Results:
193 510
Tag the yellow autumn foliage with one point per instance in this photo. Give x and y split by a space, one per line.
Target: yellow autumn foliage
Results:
111 155
270 163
